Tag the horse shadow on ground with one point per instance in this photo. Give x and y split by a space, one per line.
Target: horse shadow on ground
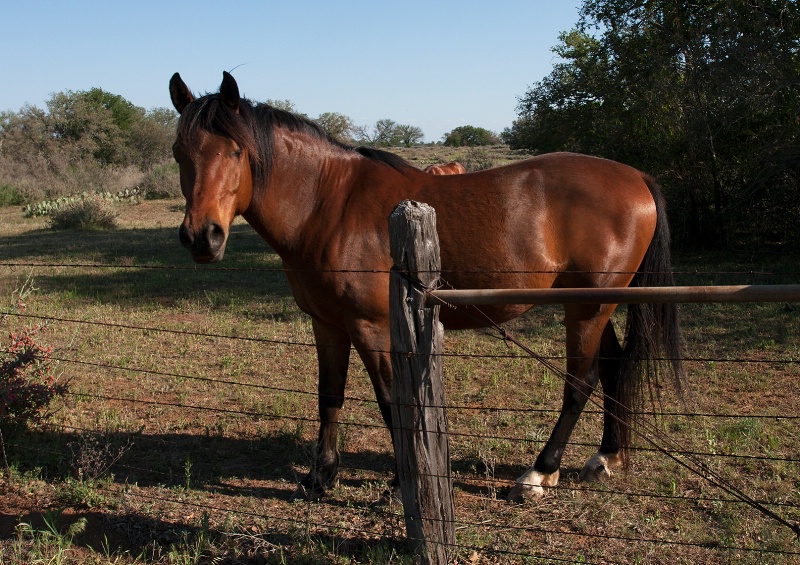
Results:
264 468
146 539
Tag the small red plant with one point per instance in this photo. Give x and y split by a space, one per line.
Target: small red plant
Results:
27 382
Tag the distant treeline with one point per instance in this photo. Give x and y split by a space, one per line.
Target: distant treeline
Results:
96 141
89 141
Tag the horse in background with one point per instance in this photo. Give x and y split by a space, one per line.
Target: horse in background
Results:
451 168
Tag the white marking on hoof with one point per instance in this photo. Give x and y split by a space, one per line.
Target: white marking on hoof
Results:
530 484
599 467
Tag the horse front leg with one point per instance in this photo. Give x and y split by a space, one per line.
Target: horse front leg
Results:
333 356
584 327
372 343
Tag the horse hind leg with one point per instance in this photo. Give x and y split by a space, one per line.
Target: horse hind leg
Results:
608 457
585 325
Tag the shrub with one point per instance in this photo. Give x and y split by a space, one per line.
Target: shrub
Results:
27 382
478 159
9 195
92 212
162 181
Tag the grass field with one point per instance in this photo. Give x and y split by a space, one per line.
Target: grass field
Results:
192 414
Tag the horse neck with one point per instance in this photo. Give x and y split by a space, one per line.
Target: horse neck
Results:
308 175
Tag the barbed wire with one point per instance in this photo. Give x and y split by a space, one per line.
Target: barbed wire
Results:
455 407
534 529
227 269
381 426
474 478
273 341
645 431
449 405
308 522
528 529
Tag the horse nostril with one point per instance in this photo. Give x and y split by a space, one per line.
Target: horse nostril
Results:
215 234
186 236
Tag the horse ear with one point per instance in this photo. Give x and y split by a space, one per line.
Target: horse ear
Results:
179 92
229 91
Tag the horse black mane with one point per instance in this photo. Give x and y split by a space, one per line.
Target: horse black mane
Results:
252 129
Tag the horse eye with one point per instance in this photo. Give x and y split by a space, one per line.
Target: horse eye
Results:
237 153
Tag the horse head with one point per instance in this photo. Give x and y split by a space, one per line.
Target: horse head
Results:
213 147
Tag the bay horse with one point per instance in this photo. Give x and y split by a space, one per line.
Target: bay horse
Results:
451 168
556 220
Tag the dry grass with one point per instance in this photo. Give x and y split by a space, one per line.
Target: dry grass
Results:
194 468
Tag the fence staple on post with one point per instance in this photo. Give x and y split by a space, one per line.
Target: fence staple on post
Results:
419 417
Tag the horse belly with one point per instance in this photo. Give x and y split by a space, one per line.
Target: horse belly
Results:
465 318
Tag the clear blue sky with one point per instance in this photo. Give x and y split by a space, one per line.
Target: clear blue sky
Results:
435 64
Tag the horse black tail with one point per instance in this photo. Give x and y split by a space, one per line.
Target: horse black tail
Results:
653 344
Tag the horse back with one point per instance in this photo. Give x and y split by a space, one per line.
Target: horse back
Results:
553 220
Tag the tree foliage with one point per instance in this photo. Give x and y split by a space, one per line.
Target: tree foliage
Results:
337 125
388 133
285 105
470 136
409 135
705 95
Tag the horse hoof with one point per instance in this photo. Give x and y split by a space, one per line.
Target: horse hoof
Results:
594 474
389 497
598 468
522 492
307 494
530 485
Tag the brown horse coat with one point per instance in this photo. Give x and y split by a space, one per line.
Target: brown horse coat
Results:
558 220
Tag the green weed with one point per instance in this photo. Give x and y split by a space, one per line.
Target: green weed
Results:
50 544
9 195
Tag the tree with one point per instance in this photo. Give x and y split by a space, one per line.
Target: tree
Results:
382 134
386 133
285 105
703 94
25 133
336 125
123 112
470 136
164 117
87 128
409 135
151 136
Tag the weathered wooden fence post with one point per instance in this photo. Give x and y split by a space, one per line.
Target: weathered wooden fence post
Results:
419 416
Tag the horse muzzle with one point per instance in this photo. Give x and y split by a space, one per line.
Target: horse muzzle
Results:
206 245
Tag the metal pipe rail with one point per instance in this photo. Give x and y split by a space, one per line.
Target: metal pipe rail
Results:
616 295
